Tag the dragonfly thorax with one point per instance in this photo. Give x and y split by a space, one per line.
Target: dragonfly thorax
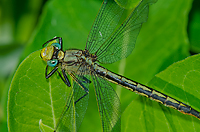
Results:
74 59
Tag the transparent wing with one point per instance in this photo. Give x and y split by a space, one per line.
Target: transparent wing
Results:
108 103
121 43
111 42
76 106
105 23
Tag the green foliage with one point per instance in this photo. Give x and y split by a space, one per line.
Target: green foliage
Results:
161 42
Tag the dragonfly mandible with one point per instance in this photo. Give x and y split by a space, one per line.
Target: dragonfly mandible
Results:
105 44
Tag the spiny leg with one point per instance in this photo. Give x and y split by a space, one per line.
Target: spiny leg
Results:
65 79
51 73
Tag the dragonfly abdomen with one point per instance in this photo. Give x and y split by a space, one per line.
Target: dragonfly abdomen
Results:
146 91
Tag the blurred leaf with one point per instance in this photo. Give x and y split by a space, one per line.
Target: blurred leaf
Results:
10 59
194 27
181 81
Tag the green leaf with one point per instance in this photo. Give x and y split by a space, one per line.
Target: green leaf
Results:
181 81
33 98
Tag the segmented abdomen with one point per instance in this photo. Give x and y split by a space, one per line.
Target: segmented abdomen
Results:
146 91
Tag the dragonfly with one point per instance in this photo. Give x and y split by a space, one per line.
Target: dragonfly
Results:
108 42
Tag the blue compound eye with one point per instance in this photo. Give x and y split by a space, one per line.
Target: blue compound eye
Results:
57 45
52 63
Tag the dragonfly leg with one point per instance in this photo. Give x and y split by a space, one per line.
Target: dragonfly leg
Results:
51 73
65 79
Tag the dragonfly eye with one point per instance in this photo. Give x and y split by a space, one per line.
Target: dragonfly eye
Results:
52 63
57 45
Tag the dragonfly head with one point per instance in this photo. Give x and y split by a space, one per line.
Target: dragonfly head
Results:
52 53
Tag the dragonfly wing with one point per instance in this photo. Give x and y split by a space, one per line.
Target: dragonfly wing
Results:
76 105
104 25
108 103
121 43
